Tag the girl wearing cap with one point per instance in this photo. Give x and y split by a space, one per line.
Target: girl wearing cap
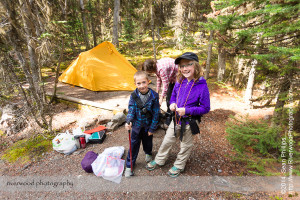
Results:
189 100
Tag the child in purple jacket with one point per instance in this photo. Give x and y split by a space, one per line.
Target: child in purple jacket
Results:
189 100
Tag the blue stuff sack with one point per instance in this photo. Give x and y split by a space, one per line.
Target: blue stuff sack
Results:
87 161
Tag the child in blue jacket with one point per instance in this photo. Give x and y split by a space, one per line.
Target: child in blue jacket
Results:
142 118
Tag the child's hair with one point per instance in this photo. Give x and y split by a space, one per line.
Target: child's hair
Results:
140 73
197 73
149 66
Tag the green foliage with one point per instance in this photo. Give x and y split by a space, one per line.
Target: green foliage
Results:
256 136
28 149
221 84
1 132
188 40
267 31
129 30
255 143
294 195
259 145
276 198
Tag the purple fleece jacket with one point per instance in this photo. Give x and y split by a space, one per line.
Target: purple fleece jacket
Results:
198 102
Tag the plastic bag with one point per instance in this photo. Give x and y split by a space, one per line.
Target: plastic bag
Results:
110 167
79 131
114 151
64 143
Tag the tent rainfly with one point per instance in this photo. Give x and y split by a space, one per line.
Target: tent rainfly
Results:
102 68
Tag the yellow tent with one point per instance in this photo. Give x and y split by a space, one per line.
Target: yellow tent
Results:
102 68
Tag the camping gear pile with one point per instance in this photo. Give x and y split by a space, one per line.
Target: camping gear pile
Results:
68 143
107 165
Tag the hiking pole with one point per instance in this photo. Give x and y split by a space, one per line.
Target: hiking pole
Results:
130 152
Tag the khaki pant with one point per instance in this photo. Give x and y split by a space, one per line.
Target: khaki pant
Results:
185 147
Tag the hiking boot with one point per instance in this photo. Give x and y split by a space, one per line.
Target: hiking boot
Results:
151 165
128 172
174 172
148 158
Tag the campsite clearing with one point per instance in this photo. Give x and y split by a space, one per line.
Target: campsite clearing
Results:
210 156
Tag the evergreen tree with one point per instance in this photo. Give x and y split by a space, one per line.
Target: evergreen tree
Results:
266 31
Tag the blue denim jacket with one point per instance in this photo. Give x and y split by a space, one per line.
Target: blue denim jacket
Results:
140 119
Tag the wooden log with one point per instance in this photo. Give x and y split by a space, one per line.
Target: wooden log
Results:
84 102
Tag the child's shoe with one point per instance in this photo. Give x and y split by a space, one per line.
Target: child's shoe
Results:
151 165
148 158
128 172
174 172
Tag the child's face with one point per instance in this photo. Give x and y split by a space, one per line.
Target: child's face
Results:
187 68
142 83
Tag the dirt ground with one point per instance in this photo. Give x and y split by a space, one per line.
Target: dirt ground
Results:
210 156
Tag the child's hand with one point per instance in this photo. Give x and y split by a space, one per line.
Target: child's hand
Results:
128 126
173 107
181 111
149 133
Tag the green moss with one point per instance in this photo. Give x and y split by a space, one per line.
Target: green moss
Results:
28 149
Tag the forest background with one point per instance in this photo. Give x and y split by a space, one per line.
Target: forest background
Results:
250 45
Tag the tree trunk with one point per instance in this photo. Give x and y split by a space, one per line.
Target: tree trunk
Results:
98 19
250 84
115 39
152 29
84 23
31 46
178 24
282 96
297 119
240 65
221 62
92 23
35 98
58 69
209 52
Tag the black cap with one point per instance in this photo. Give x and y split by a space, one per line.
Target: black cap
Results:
188 56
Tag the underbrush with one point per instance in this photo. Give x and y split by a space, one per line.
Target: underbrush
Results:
27 150
260 146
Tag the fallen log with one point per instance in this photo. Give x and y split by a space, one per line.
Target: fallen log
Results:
84 102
